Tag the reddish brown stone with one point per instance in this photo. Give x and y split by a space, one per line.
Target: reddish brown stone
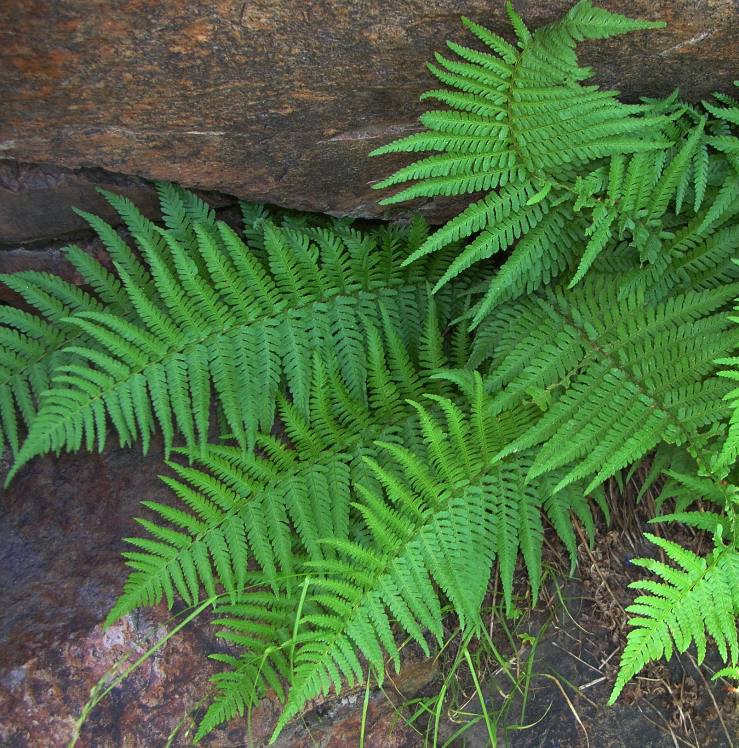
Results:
47 259
281 101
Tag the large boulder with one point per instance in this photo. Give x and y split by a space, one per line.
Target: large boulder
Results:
281 101
36 200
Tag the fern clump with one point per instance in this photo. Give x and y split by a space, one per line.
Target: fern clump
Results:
431 514
570 172
696 597
499 135
277 503
360 427
610 312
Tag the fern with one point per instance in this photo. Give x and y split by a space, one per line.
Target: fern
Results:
261 626
694 597
730 449
203 314
438 526
395 424
622 362
625 374
571 174
515 93
522 127
33 345
435 517
275 504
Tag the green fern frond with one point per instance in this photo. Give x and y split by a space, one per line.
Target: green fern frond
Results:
729 112
211 318
623 374
275 504
518 121
695 597
33 346
260 625
436 520
730 448
685 488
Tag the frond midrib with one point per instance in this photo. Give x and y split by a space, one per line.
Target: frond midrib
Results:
608 355
393 284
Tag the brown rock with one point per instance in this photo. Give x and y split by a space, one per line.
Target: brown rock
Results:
36 201
49 256
48 259
61 525
278 101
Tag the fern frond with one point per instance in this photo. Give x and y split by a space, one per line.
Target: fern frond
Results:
624 374
685 488
730 448
275 504
33 346
436 519
695 597
729 112
518 120
260 625
205 315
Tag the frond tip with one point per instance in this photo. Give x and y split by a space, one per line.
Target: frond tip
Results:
520 126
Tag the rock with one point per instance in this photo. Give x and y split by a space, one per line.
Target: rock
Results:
41 698
49 256
48 259
279 102
36 201
61 527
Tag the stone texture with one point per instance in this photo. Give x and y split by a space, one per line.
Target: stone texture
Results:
36 201
61 524
280 101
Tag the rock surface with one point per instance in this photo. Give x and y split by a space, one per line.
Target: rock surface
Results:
281 101
46 258
36 201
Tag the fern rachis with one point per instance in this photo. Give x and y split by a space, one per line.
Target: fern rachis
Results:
232 325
